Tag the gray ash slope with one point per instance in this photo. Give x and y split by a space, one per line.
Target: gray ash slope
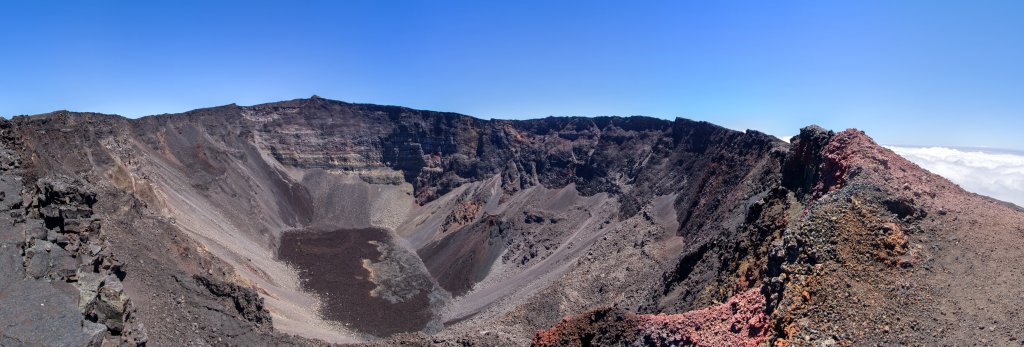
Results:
492 229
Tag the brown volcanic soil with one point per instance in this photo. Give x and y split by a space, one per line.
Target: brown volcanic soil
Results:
331 265
485 232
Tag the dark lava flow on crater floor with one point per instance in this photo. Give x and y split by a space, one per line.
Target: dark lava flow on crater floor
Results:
332 265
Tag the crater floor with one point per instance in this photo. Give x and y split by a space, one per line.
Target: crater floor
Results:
333 265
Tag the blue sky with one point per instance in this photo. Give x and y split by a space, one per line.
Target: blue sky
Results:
907 72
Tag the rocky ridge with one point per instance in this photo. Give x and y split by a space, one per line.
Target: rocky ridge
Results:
55 253
854 249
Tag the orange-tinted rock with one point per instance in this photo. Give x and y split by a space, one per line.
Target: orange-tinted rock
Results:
738 322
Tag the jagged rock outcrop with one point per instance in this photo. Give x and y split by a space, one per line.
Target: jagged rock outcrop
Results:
55 253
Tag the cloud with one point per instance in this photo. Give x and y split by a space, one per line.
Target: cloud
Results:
991 173
787 138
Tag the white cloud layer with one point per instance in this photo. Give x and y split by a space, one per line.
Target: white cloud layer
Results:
998 175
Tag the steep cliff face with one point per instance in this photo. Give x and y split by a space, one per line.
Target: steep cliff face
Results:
439 226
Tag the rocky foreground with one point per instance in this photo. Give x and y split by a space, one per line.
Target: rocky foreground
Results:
437 228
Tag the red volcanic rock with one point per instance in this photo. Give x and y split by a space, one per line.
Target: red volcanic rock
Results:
883 167
738 322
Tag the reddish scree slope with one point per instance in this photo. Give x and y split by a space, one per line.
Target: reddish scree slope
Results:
739 322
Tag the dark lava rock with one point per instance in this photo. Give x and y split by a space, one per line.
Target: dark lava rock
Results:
248 304
35 312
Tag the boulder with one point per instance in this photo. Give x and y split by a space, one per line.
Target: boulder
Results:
45 259
88 288
95 332
35 233
110 305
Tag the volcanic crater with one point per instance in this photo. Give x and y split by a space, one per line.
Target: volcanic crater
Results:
315 221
